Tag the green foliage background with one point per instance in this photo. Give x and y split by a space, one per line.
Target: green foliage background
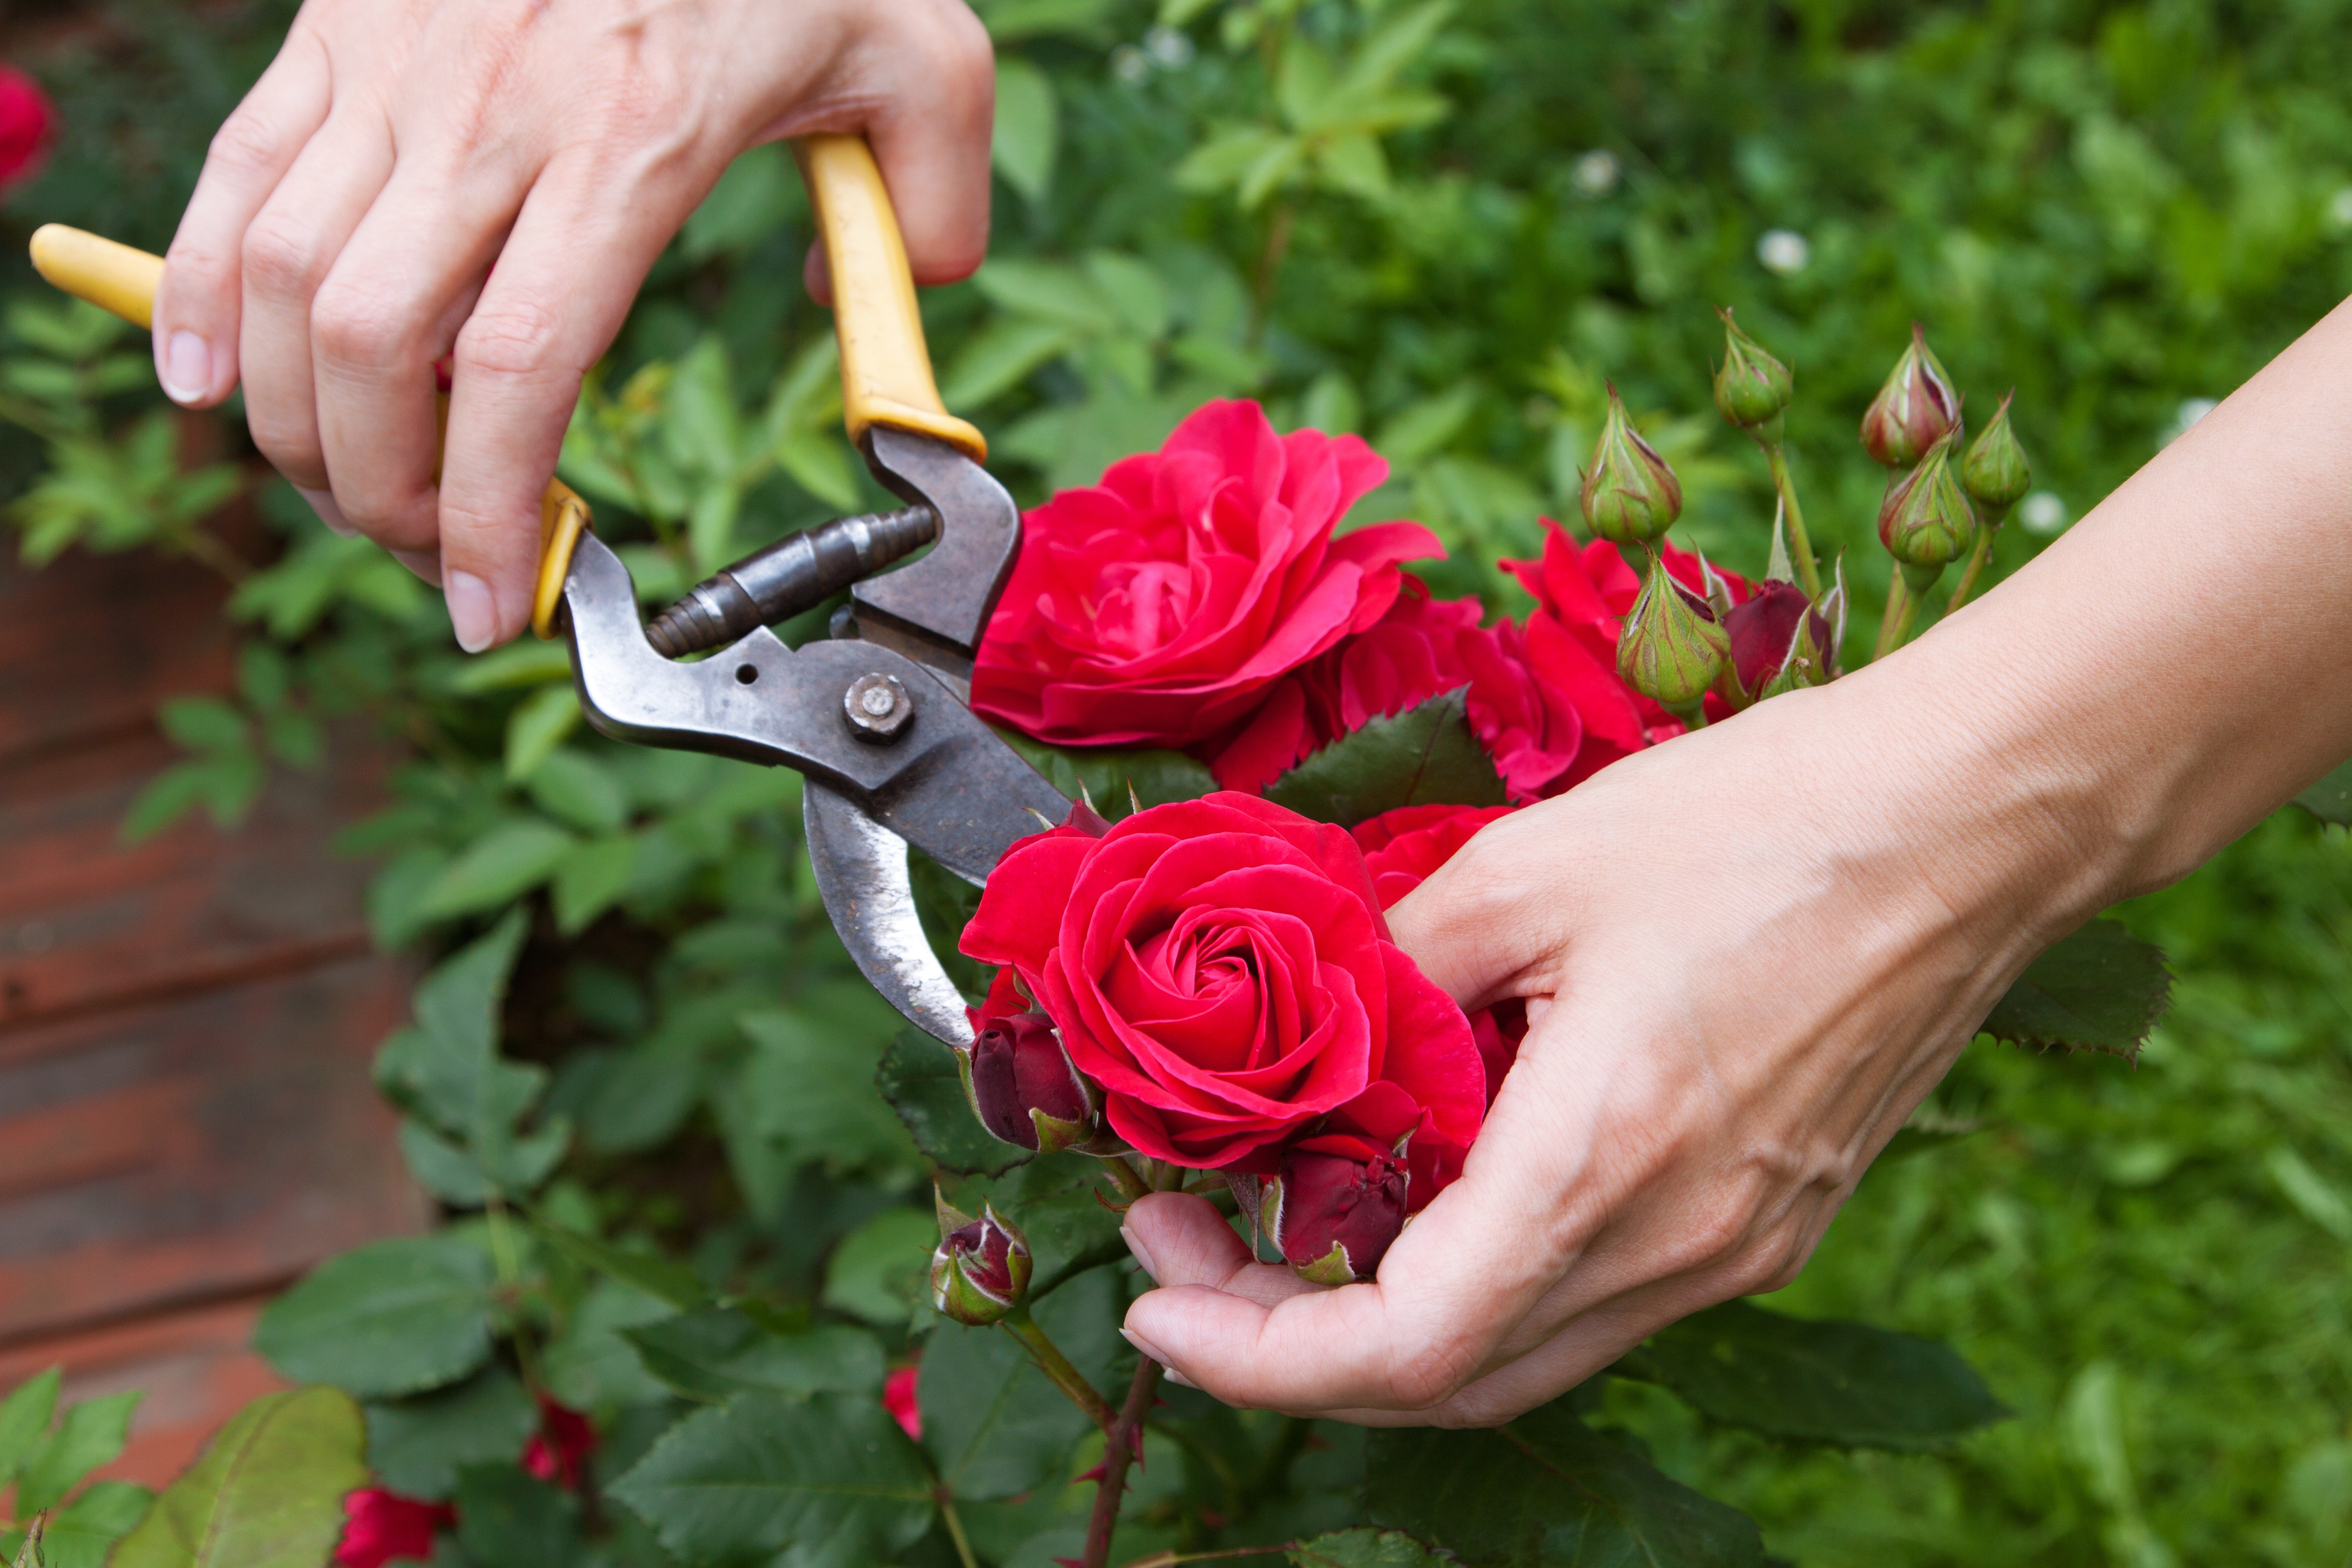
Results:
2118 209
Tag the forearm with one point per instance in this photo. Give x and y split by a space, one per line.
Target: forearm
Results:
2175 666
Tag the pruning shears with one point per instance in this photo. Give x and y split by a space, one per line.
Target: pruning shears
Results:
875 717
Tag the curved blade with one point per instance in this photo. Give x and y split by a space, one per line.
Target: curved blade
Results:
861 870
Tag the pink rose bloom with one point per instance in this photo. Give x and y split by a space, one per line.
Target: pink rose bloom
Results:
1156 607
380 1527
899 1399
28 122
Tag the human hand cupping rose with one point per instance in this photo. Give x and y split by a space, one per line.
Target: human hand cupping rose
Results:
342 236
1746 955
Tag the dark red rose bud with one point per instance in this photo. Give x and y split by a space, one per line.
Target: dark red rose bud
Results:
980 1269
1779 641
1333 1215
1022 1087
1914 410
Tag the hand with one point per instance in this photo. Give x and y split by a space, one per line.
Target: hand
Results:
1747 953
343 233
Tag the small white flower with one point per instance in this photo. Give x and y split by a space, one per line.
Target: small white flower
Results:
1597 173
2191 410
2043 513
1129 64
2339 210
1168 48
1783 250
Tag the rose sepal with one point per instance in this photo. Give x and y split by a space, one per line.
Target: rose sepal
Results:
981 1266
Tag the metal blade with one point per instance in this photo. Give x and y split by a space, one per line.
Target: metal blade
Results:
861 870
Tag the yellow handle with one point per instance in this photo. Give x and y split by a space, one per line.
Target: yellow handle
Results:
116 278
113 276
886 370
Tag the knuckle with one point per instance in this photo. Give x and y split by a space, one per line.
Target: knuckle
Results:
1431 1375
357 326
282 257
247 143
515 337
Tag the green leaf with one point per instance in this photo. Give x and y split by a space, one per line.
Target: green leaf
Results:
1001 356
1846 1384
1423 756
516 666
588 1365
268 1492
881 1270
833 1478
578 792
1363 1549
416 1446
1056 1199
391 1317
717 1353
86 1530
496 868
2330 799
506 1515
167 797
90 1435
1400 39
1027 129
920 1078
1421 430
757 194
591 878
655 1275
991 1422
24 1420
806 1091
2100 989
541 722
1107 775
203 725
1546 1489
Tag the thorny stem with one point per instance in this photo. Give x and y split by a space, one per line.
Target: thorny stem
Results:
1801 546
502 1253
1118 1451
1056 1367
1123 1176
1977 558
946 1500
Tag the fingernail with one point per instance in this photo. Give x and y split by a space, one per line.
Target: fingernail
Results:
1143 1253
426 563
1143 1346
1176 1377
323 503
187 368
471 613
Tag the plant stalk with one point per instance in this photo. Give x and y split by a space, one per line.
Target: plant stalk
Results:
1902 609
946 1500
1056 1367
1978 557
1118 1451
1123 1176
1800 544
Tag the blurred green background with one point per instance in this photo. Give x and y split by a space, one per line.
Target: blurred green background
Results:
1446 228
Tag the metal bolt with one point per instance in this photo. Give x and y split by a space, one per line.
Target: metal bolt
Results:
878 708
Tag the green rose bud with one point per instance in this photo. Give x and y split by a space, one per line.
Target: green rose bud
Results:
1925 521
1672 648
1752 389
1914 410
1996 473
980 1269
1631 495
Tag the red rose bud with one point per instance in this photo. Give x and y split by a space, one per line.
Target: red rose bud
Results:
1022 1087
1925 521
382 1527
1779 642
980 1269
28 122
1752 388
1996 473
1333 1215
1672 647
1914 409
1631 495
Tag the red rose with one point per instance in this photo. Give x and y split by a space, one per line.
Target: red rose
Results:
1763 631
380 1527
28 121
1220 970
1156 607
560 1446
1582 599
1402 848
899 1398
1422 647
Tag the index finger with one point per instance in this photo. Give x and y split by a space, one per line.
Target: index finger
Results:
1461 1277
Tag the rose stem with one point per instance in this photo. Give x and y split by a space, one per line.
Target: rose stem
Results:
1897 618
946 1500
1800 545
1977 557
1056 1367
1169 1559
1123 1176
1118 1449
